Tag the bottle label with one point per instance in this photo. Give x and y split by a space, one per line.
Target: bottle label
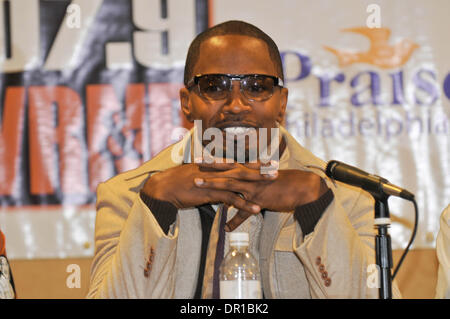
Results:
240 289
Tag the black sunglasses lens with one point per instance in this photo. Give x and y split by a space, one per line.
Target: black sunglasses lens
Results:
214 87
258 88
254 87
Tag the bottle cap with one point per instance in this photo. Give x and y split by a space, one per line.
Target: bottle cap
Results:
239 238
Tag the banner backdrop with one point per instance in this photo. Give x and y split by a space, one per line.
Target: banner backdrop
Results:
89 89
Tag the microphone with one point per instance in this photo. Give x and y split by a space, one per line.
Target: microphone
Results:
371 183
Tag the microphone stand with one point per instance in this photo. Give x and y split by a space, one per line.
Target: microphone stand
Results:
383 248
380 189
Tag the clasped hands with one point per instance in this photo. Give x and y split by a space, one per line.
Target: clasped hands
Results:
244 186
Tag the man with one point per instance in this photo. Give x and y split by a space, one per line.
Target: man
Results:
443 254
162 229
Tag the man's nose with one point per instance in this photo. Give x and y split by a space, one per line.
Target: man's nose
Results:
236 103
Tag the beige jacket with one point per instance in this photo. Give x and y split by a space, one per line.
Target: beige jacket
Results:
443 254
127 234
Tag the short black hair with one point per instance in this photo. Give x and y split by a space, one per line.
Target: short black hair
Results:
232 27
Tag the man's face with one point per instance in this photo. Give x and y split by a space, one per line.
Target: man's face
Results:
234 54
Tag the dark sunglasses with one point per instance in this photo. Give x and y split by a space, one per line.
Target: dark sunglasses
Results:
255 87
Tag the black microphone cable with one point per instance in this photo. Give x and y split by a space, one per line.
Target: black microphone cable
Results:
413 235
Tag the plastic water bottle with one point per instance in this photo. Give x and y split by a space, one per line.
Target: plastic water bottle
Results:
239 271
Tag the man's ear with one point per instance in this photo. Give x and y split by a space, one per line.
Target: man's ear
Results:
186 104
283 104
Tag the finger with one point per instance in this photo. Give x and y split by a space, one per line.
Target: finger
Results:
237 219
233 199
244 173
267 169
247 171
219 166
274 164
256 166
222 164
226 184
225 164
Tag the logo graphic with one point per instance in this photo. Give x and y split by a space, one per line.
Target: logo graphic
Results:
381 53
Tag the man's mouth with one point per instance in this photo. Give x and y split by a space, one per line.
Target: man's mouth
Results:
237 127
238 130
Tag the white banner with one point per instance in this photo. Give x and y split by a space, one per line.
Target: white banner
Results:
369 85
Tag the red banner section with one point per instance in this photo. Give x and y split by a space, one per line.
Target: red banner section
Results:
88 89
70 146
